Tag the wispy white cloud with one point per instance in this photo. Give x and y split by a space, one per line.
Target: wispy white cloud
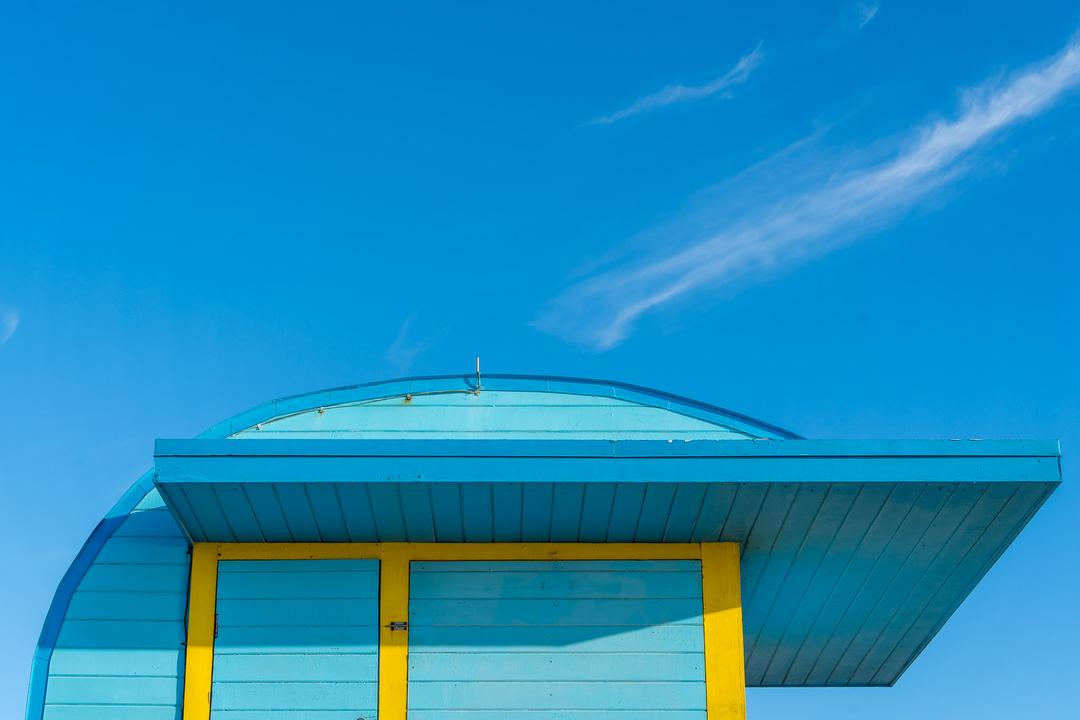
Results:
9 323
673 94
402 353
825 203
864 13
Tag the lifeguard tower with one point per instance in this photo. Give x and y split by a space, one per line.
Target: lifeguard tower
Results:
519 548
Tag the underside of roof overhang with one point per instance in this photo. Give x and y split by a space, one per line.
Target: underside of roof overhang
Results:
854 553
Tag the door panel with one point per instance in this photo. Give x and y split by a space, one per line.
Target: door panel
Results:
296 640
579 640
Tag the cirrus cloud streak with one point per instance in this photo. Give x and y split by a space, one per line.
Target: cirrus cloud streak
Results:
710 247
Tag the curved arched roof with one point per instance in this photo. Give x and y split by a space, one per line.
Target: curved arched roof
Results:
504 407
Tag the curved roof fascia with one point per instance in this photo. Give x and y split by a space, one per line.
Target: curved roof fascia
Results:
400 387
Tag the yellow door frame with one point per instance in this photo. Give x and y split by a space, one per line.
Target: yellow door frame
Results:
724 674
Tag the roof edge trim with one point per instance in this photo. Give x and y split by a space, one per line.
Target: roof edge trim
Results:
293 404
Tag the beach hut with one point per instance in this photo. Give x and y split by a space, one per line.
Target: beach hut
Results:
519 548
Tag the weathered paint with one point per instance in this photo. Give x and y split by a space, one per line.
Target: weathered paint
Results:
516 638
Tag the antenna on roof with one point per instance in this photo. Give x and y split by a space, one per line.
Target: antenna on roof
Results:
477 374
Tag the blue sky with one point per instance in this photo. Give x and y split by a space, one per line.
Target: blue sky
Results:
856 219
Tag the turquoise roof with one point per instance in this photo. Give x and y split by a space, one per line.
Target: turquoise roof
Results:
504 407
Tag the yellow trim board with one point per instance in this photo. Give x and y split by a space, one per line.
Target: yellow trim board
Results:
202 607
725 678
724 674
458 551
393 644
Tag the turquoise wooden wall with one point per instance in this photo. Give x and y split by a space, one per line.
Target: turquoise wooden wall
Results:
118 653
297 640
577 640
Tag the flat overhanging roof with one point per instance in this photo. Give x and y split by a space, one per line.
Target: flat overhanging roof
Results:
854 553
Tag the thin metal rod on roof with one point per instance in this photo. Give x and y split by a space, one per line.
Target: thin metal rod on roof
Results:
477 374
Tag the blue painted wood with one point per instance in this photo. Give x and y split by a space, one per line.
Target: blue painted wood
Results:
96 690
267 508
766 524
506 508
596 508
117 651
622 525
288 715
878 577
536 524
145 551
388 513
327 667
508 637
624 714
975 563
713 512
789 571
786 528
155 662
501 414
926 574
788 541
132 605
587 390
356 508
573 583
856 564
905 575
566 506
110 712
496 666
236 506
294 503
620 639
295 637
796 608
417 512
775 449
326 508
655 512
446 512
683 514
476 514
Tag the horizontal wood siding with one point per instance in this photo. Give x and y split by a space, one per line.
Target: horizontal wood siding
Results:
119 652
580 640
297 640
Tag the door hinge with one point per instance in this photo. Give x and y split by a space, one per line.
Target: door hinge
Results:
215 625
398 625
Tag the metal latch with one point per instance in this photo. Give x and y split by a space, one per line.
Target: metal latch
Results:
398 625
